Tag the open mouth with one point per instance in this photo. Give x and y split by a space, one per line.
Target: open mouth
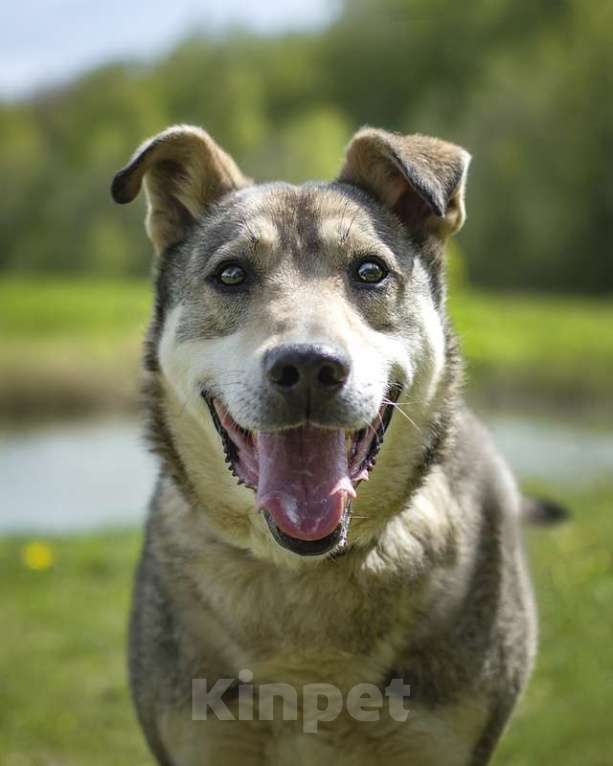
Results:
304 477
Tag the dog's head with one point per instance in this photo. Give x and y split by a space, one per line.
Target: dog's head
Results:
299 333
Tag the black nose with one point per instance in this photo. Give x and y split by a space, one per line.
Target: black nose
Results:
306 368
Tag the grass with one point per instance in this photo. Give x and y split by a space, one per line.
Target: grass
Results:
63 695
70 347
73 346
551 347
565 717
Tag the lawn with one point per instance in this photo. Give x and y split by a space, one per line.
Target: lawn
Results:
63 695
556 348
70 347
73 346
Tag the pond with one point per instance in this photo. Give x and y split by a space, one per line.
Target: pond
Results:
79 476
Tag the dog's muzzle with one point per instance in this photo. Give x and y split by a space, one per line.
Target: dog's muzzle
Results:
305 476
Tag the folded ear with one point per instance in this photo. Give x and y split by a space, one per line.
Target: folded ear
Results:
183 171
421 179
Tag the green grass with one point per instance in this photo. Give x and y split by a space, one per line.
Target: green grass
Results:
70 347
543 345
63 692
565 718
33 309
73 346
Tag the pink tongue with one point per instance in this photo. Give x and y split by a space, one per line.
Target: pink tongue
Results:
303 480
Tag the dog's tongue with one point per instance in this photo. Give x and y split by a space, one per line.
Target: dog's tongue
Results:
303 480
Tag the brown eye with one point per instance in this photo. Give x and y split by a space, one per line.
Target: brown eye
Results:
231 275
371 272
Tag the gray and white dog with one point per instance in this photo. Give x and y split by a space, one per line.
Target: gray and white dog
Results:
299 336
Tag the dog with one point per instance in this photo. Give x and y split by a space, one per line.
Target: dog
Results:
329 515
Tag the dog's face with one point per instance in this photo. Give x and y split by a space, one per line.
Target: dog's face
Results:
300 332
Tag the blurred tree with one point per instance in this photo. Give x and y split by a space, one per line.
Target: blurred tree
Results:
526 85
312 144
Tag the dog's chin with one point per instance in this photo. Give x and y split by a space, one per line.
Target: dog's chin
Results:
333 543
304 477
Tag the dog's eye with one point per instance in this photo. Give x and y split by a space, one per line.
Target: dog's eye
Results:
231 275
371 272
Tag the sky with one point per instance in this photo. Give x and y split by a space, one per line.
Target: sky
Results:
44 42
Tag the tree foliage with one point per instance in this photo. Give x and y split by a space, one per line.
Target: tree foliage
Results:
527 86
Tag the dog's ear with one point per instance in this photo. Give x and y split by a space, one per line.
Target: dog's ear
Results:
183 171
421 179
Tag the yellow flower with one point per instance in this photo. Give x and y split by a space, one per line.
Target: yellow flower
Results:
38 556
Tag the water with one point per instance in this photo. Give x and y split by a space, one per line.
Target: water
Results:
562 453
77 477
74 477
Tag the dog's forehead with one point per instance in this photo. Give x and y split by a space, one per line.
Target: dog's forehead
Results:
281 215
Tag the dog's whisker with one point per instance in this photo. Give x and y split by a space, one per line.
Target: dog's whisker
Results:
404 415
368 426
410 420
381 419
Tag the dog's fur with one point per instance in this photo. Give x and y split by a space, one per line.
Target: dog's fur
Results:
430 583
